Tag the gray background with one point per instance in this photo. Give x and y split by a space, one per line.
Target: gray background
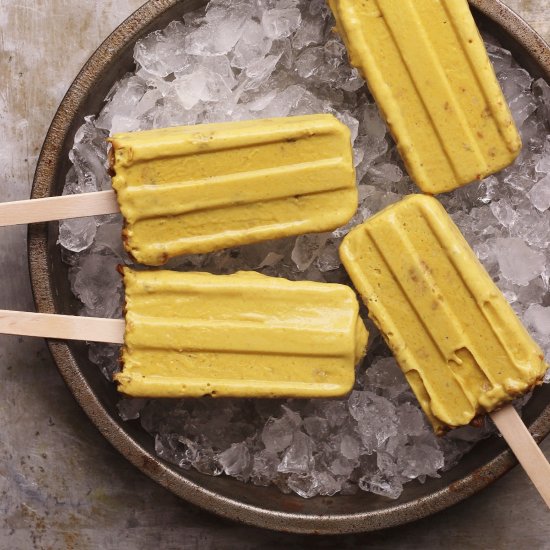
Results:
61 484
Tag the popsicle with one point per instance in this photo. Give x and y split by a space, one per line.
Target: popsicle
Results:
427 68
458 341
241 335
198 189
202 188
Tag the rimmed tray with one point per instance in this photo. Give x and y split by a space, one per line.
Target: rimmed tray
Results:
264 507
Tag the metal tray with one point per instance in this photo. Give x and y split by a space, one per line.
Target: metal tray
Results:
260 506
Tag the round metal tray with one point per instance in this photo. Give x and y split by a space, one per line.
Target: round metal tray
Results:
261 506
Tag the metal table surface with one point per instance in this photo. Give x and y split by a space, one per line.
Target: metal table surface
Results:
61 483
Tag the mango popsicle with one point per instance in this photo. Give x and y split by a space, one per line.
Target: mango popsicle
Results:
241 335
427 68
454 335
198 189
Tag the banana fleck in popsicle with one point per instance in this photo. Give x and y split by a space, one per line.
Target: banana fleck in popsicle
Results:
426 65
454 335
241 335
198 189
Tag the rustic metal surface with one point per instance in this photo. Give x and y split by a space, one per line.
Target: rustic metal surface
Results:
60 479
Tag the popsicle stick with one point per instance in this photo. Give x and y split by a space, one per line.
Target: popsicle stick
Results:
64 327
58 208
525 448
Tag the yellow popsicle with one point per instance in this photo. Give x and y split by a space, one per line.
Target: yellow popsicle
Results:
456 338
427 68
241 335
196 189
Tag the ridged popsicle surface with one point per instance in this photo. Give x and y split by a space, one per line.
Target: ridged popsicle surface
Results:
197 189
241 335
427 67
454 335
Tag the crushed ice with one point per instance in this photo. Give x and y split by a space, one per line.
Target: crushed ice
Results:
264 58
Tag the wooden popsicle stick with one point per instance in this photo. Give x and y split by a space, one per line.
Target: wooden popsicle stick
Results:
65 327
525 448
58 208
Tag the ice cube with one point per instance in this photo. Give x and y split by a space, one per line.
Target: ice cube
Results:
77 234
316 427
540 194
537 318
307 249
129 409
284 102
420 459
252 46
278 432
298 458
281 23
161 53
386 378
236 461
350 447
380 485
375 416
264 468
504 212
201 85
305 485
217 37
311 31
519 263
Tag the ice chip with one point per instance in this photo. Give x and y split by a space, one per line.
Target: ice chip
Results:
77 234
420 459
311 31
284 102
375 416
304 485
540 194
519 263
236 461
504 212
202 85
217 37
298 458
537 318
386 378
98 285
278 432
316 427
161 52
262 68
281 23
349 447
380 485
252 46
307 249
411 419
264 468
129 409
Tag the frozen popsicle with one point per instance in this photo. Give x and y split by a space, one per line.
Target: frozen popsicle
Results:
241 335
197 189
426 65
454 335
